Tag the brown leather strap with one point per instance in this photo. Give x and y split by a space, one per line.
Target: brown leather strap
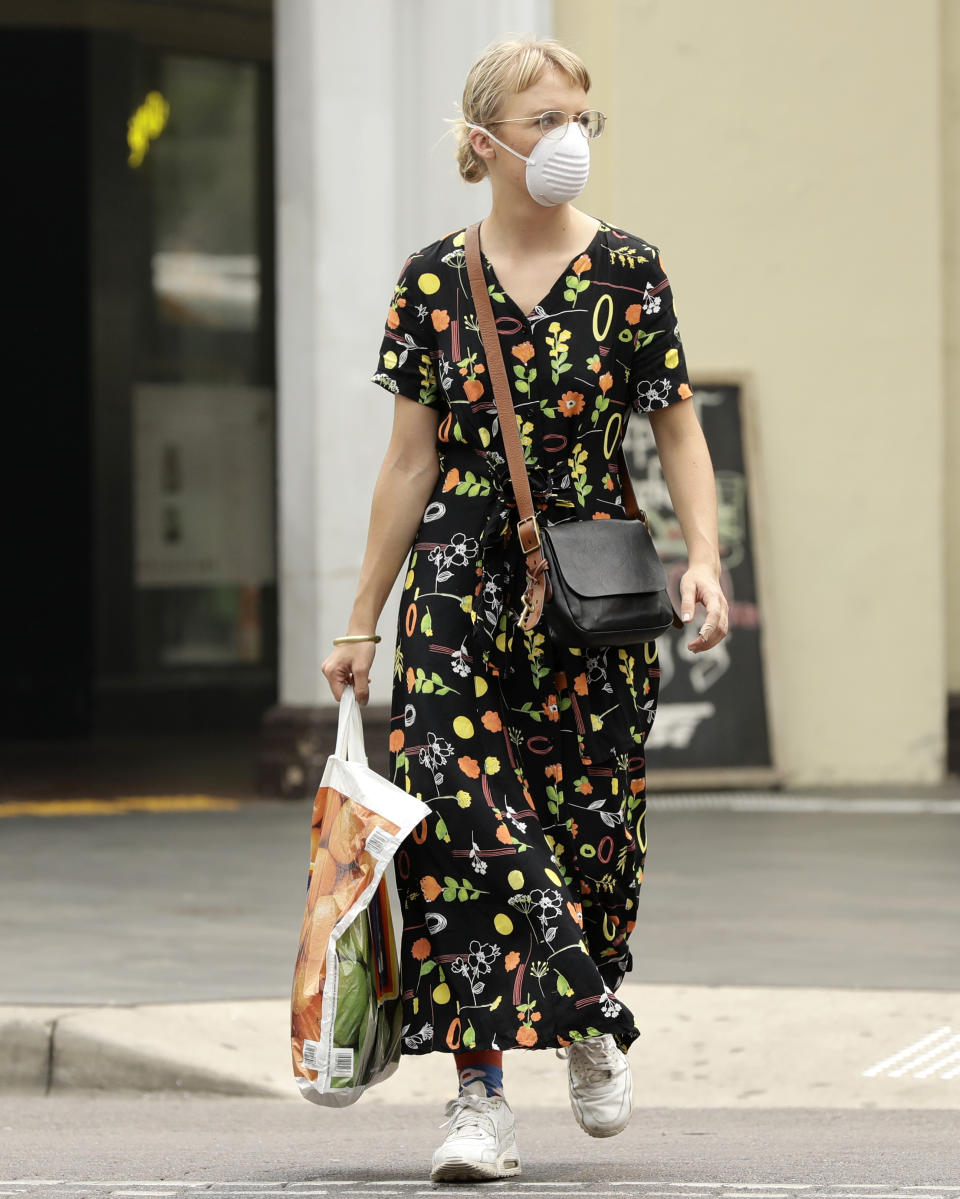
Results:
527 529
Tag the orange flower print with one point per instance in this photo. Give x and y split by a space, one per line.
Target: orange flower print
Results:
396 740
411 678
580 684
601 516
684 392
637 785
441 319
470 767
526 1036
634 313
608 482
491 721
473 390
430 888
583 786
605 381
421 949
511 961
582 264
593 364
570 403
393 317
452 479
536 1016
524 351
503 835
550 709
554 771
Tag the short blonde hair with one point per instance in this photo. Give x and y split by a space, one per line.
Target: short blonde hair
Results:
502 70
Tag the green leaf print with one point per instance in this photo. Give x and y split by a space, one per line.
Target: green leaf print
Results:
563 987
462 890
441 830
426 624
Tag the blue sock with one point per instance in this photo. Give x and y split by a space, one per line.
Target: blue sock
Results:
490 1076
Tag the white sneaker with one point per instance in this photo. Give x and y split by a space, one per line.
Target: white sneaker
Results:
601 1086
481 1143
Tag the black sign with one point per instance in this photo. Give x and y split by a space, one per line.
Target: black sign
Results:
712 716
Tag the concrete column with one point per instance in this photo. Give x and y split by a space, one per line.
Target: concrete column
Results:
365 175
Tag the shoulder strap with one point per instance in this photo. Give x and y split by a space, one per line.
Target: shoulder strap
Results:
527 529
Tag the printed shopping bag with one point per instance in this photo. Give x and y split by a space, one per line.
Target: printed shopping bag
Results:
346 1010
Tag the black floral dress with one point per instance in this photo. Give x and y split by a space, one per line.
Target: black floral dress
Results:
520 889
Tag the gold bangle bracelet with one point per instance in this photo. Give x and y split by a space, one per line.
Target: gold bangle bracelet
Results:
357 638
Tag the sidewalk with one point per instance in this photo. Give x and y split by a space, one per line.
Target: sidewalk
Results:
780 953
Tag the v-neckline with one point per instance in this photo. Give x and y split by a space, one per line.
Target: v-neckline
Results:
553 287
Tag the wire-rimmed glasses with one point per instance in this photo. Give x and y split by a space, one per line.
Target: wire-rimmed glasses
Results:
553 124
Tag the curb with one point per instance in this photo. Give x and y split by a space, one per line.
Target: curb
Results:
218 1048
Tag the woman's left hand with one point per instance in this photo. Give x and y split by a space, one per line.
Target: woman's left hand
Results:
701 585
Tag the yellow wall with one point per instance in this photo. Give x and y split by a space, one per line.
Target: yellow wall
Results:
787 158
950 139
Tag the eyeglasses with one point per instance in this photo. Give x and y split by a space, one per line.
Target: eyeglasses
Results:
553 124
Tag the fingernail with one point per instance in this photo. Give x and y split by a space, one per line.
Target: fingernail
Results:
686 616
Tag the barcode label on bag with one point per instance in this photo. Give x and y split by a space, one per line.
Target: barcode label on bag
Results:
311 1055
379 842
342 1063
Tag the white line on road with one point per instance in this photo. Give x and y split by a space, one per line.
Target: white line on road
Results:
926 1057
909 1052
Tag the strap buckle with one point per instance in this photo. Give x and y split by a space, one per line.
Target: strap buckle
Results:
528 532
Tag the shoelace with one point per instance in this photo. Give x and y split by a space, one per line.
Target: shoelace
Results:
468 1112
594 1061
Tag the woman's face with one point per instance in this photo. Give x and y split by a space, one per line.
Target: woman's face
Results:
551 91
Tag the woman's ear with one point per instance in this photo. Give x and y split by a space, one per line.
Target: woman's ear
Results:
483 147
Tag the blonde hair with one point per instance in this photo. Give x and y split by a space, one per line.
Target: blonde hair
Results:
502 70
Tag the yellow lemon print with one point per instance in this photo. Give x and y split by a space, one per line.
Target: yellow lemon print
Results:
408 581
671 359
460 239
484 433
515 879
390 360
479 685
503 924
441 994
552 876
491 765
428 283
464 799
463 727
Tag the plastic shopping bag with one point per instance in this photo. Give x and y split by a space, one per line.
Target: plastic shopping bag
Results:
346 1008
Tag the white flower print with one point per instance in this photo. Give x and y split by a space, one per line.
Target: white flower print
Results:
652 394
478 864
418 1038
459 661
479 960
460 550
434 754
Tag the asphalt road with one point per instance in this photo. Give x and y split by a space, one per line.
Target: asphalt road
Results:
195 906
135 1147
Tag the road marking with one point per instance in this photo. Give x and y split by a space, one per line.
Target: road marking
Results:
119 806
748 801
909 1055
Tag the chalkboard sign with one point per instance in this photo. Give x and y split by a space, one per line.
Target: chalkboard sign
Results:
711 725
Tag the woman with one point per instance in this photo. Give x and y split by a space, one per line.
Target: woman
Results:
520 890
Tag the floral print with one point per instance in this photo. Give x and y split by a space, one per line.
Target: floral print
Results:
520 889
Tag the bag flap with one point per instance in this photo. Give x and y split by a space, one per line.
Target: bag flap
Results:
604 557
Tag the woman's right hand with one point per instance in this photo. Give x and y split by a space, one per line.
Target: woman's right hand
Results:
349 665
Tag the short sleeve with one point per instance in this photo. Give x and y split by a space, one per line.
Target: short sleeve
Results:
658 372
407 354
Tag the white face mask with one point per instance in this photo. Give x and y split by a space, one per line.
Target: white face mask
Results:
557 168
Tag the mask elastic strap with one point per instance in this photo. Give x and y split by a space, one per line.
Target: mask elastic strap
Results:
515 153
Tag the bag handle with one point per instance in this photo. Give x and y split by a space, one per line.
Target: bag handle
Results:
350 747
527 529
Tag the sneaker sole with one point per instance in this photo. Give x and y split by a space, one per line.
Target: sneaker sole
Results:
461 1169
